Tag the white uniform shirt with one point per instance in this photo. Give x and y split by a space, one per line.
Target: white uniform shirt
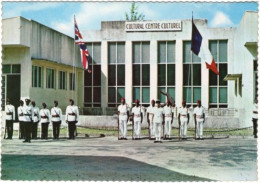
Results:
150 110
9 112
20 113
45 115
158 115
167 111
56 114
136 111
199 111
122 109
255 116
72 113
36 112
183 111
27 113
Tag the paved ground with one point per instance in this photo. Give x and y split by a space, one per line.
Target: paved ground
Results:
108 159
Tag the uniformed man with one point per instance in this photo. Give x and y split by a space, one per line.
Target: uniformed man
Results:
72 116
183 119
199 119
168 119
255 118
123 116
36 119
28 120
20 119
150 118
137 114
56 117
158 120
45 121
9 118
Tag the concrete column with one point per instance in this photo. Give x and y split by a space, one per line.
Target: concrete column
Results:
153 70
179 73
204 85
104 75
128 73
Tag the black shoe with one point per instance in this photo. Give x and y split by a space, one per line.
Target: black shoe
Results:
125 138
25 141
29 141
155 141
255 136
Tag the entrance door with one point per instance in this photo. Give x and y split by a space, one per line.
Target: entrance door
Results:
13 90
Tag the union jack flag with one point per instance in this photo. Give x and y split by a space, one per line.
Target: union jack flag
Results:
83 48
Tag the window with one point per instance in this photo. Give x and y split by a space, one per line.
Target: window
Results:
62 80
11 68
116 73
191 75
37 76
255 79
217 86
50 78
141 72
92 81
166 69
72 81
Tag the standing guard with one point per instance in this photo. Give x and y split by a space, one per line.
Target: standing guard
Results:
20 119
123 116
199 118
56 117
28 118
183 120
9 119
168 118
255 118
36 119
45 121
72 115
137 114
158 120
150 119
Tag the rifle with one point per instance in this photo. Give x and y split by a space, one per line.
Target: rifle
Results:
118 128
179 130
149 133
195 127
133 124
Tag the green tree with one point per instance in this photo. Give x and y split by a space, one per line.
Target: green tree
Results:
134 14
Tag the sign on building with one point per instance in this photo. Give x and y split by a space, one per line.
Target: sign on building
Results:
154 26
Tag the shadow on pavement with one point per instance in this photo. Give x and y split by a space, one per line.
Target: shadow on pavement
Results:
85 168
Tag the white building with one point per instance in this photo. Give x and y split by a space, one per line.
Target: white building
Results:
138 64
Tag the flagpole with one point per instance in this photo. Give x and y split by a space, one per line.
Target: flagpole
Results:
74 74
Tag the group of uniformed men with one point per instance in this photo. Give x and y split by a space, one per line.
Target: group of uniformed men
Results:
29 116
159 117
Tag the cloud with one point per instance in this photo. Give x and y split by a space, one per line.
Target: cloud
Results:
221 20
90 15
11 10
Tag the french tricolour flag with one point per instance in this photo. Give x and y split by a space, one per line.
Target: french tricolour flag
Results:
200 48
83 48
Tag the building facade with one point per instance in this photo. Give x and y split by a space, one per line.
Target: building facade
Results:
137 60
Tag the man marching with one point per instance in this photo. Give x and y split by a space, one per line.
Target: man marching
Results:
158 120
199 118
56 116
45 121
168 118
28 119
9 118
123 116
183 120
72 115
36 119
20 119
150 119
137 114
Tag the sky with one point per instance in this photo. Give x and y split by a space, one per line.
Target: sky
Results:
59 15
